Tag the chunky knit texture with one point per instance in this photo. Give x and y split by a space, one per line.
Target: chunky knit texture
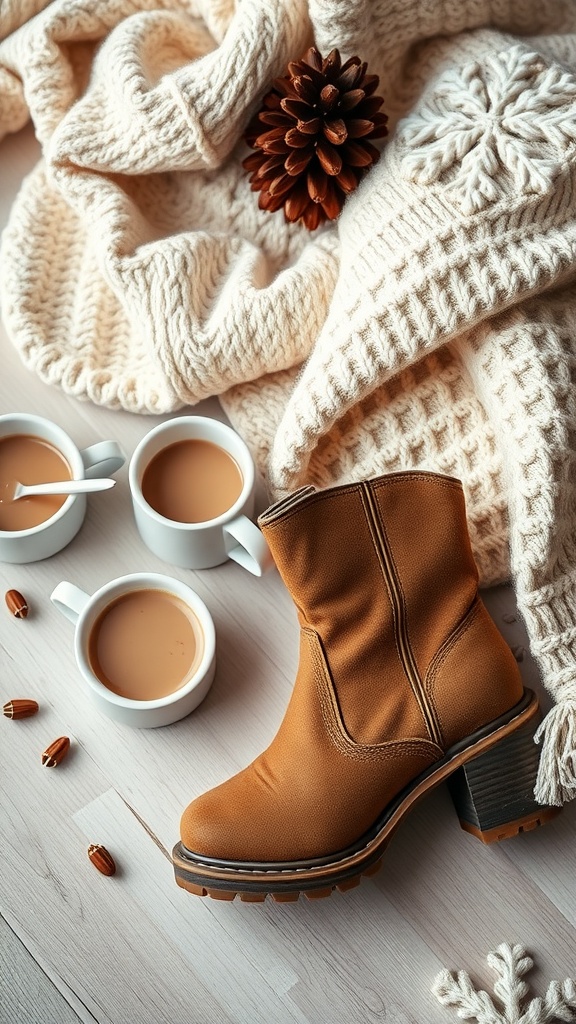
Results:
432 326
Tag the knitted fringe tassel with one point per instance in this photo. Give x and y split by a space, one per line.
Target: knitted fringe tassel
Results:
556 782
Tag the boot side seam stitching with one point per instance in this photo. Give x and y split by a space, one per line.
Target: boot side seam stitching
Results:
416 685
450 642
388 750
431 709
387 585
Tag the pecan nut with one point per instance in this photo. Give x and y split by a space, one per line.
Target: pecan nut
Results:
101 859
56 752
17 605
20 708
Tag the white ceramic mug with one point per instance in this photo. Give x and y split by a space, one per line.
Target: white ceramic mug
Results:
55 533
83 610
200 545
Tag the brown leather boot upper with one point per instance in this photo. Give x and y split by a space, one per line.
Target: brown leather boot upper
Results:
399 660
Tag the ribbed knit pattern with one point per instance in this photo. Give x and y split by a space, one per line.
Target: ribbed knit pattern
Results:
432 326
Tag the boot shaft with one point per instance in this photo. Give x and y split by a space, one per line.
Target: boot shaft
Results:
403 536
383 571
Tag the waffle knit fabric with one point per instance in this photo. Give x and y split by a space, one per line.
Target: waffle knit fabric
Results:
432 326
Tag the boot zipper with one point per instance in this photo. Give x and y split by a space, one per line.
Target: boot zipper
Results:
400 624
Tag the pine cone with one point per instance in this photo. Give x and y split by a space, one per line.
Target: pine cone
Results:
314 148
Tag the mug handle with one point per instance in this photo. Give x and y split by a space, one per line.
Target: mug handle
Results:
69 600
246 545
102 459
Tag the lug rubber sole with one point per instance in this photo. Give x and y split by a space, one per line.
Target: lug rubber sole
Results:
491 776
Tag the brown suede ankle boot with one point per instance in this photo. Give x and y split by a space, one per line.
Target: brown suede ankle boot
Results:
403 681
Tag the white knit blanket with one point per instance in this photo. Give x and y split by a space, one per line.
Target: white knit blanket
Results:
432 326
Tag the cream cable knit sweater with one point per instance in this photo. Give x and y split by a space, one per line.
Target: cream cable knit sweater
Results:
432 326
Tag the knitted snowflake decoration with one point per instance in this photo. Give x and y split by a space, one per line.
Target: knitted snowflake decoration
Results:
510 963
508 121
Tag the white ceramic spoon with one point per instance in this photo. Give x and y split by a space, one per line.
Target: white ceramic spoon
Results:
62 487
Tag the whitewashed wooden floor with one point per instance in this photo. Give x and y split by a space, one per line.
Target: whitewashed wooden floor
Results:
76 945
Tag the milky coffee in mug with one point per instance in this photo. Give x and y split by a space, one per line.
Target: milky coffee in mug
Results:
192 481
30 460
36 450
145 644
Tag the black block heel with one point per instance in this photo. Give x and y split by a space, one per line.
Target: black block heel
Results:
493 794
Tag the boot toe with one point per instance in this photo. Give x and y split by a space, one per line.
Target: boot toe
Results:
244 820
231 822
206 828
